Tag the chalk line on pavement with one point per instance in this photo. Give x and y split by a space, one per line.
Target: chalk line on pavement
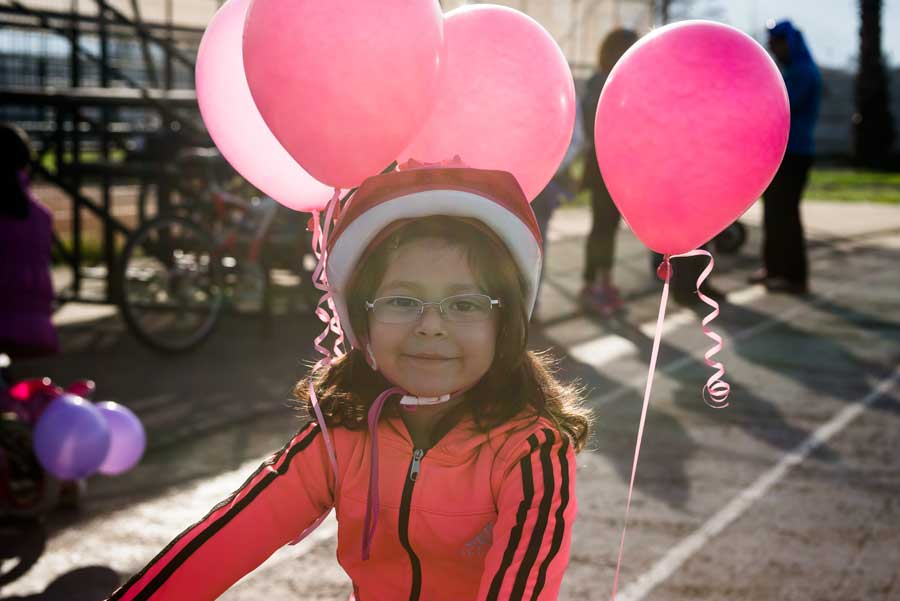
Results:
684 550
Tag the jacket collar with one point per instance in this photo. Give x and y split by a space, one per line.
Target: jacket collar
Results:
460 443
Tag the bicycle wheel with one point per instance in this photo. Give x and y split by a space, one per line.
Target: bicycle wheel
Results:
731 239
170 284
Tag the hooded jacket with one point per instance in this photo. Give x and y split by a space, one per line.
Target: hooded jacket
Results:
478 516
804 87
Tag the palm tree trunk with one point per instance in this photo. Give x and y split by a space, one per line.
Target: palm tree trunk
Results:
874 131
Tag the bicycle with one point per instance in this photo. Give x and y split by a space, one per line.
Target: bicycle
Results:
731 239
26 489
179 270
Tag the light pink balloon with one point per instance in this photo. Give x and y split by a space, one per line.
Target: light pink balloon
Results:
506 100
344 84
690 129
234 123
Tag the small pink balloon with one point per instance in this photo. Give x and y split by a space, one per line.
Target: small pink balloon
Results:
127 439
506 100
235 124
690 129
344 84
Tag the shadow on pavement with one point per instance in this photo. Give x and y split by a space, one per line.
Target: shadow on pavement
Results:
22 542
667 446
92 583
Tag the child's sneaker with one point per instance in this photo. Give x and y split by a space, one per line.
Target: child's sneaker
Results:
601 300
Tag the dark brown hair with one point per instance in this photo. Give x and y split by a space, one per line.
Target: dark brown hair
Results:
613 47
16 148
518 379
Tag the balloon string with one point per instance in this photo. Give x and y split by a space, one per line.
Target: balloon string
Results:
667 273
320 233
329 315
372 499
715 392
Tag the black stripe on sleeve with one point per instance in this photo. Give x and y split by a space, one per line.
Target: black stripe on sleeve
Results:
521 515
540 525
212 529
560 526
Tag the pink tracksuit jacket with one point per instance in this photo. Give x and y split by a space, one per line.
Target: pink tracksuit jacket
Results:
475 517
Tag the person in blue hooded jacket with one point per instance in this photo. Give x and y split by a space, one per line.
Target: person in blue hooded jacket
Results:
784 248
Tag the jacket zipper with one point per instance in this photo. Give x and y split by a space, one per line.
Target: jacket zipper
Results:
415 466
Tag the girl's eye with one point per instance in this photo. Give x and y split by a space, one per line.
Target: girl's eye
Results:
469 305
400 302
463 306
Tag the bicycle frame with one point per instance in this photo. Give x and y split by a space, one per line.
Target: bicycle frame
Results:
222 202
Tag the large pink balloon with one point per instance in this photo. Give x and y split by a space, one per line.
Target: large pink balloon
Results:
690 129
236 125
344 84
506 100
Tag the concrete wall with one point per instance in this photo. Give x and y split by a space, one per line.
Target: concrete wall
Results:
834 132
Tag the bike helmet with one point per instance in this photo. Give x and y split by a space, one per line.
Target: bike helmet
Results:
493 198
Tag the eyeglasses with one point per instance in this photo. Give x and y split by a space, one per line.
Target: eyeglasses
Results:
460 308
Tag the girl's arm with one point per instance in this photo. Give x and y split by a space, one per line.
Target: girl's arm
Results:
288 492
536 509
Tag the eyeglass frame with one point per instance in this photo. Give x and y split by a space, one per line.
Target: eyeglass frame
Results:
370 306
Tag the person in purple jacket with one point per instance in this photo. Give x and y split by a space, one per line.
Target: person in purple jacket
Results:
26 238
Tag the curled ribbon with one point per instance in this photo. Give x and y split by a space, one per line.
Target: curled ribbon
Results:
327 313
332 323
715 391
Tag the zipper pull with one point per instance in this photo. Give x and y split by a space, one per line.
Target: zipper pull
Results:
416 464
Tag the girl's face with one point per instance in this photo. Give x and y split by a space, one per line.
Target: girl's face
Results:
431 356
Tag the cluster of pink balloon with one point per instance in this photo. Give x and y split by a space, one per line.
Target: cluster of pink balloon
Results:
303 97
72 437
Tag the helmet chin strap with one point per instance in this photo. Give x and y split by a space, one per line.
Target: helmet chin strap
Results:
418 401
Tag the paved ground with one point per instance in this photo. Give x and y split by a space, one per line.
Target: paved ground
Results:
792 492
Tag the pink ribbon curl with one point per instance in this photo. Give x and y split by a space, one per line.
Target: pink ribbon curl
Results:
326 311
715 391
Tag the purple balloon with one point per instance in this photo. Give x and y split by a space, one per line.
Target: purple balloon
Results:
127 439
71 438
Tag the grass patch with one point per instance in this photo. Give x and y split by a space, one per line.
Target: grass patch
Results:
48 159
853 185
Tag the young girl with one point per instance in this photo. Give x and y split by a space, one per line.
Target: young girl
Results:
447 449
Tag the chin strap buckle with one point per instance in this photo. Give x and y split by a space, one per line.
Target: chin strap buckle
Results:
417 401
